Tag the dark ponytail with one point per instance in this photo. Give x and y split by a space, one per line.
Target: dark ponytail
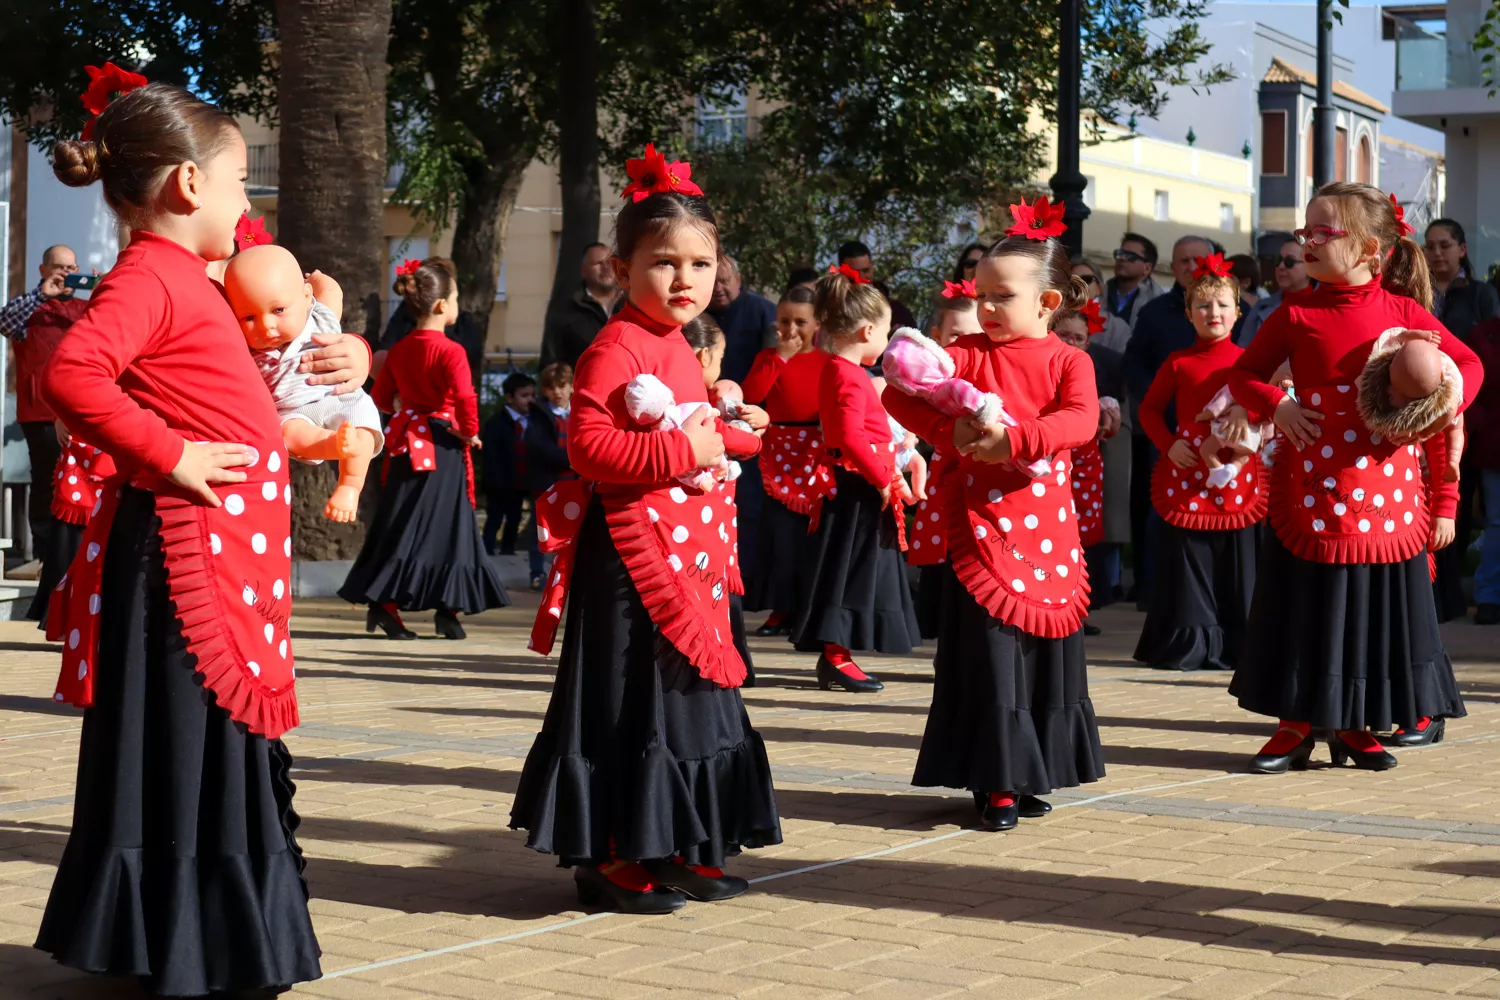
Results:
843 305
428 285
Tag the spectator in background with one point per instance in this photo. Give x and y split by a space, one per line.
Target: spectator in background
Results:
1245 269
579 319
522 458
967 262
466 331
1482 423
1459 298
35 323
1132 287
1291 281
1116 332
857 255
805 277
747 319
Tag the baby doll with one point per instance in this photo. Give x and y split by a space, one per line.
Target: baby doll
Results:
279 311
729 398
649 401
1238 438
919 367
1407 385
908 459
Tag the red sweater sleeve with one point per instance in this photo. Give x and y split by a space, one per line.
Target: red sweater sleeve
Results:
598 446
1469 365
1249 379
763 375
738 443
1442 496
81 380
850 409
1073 423
1153 410
461 389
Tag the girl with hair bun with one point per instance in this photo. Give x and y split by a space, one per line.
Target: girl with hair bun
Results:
423 550
1343 633
646 776
1011 718
181 868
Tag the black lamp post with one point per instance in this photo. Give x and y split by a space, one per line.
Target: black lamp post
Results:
1324 116
1068 183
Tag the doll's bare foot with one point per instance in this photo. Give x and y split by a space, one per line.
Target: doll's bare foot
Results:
355 441
343 506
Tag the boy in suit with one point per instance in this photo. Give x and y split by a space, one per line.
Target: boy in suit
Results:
522 457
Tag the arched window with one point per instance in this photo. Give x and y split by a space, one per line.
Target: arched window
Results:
1366 162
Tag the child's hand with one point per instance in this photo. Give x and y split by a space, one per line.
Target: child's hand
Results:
991 446
203 465
708 444
918 469
63 437
757 418
1109 423
965 433
1412 336
1443 533
1181 454
788 344
475 442
342 361
1297 423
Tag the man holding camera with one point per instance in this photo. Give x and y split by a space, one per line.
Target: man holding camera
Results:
34 323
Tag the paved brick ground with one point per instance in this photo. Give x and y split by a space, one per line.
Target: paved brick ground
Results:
1178 876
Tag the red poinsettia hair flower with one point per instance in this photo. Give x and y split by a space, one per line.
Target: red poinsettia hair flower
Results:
1214 264
250 232
652 174
1406 227
407 266
1038 221
959 290
1096 319
848 272
104 86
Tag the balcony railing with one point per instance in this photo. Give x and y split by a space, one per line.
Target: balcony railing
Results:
1429 58
264 169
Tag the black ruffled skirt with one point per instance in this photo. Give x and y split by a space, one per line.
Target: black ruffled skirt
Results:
930 598
779 575
639 757
1204 583
1010 711
62 546
741 642
182 867
1344 646
423 549
858 594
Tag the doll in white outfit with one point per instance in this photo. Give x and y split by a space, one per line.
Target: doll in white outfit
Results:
280 310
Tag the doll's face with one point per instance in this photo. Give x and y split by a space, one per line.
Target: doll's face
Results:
269 296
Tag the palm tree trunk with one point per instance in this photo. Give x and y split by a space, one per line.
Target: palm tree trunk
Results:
331 198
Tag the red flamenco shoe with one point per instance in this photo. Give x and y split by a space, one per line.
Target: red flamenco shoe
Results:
1426 732
696 882
624 887
1288 749
837 668
1362 748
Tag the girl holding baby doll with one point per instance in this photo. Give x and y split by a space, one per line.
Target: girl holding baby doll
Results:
1011 718
1343 632
181 868
1205 566
646 775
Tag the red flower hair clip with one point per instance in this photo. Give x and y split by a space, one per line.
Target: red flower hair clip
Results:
1214 264
1038 221
407 266
849 272
1406 227
1095 319
652 174
959 290
250 232
104 86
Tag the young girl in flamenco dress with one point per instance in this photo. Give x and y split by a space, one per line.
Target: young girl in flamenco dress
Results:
858 597
423 549
646 775
1343 633
1205 562
181 868
1011 718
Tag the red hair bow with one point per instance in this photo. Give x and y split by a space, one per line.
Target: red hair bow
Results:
959 290
104 86
1096 319
250 232
848 272
1214 264
1038 221
1406 227
407 266
652 174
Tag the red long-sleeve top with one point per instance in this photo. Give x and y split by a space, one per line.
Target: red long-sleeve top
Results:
604 443
157 360
786 387
1189 378
854 422
431 374
1045 385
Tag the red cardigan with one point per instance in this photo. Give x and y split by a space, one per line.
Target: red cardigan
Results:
786 387
854 422
431 374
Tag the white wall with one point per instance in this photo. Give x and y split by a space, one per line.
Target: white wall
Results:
1472 198
56 213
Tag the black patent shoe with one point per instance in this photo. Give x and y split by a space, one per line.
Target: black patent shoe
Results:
1365 760
1031 807
998 819
1092 630
379 618
830 676
695 885
781 628
1416 737
1279 763
448 626
597 891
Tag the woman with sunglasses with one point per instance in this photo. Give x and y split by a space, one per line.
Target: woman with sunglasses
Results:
1343 633
968 260
1291 281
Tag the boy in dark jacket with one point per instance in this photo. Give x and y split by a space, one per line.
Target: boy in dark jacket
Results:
522 458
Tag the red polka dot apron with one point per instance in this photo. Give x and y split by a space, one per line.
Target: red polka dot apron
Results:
1013 542
229 581
791 466
929 539
1184 498
1088 492
679 547
1351 496
410 433
81 471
